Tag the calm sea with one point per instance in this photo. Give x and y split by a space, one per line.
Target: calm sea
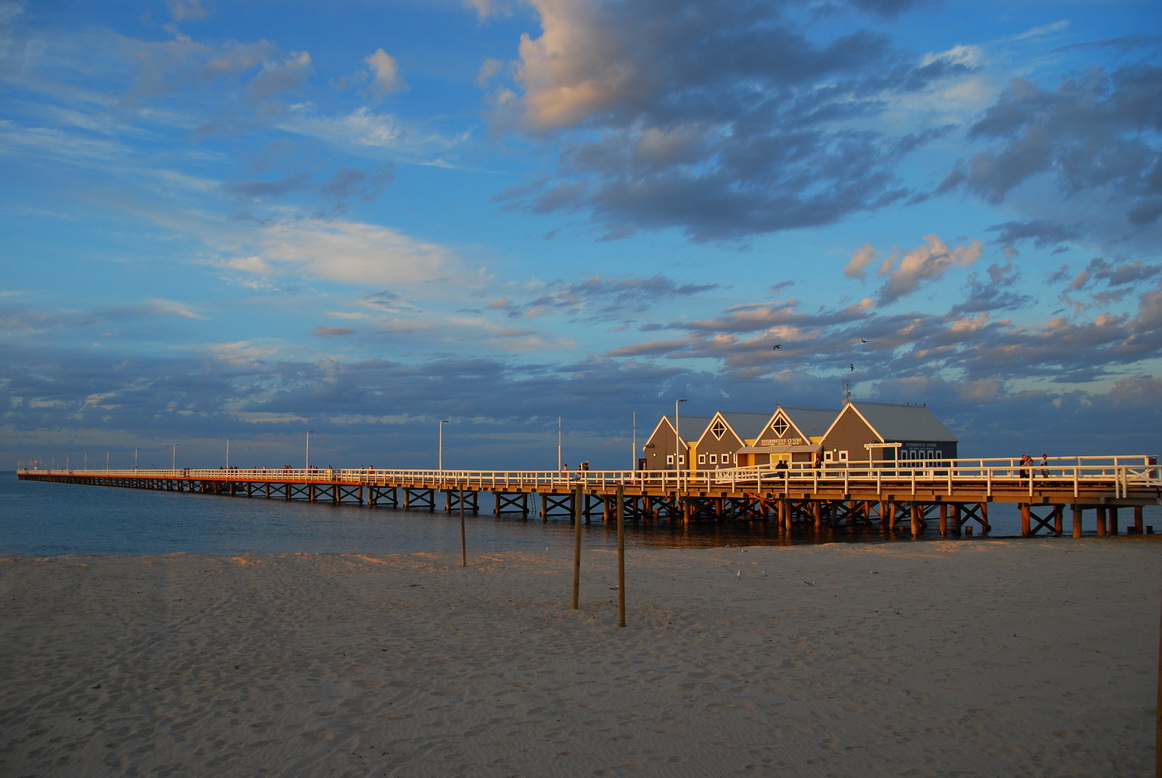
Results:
51 519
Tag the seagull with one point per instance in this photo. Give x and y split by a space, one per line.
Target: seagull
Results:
776 346
852 366
863 340
809 583
738 574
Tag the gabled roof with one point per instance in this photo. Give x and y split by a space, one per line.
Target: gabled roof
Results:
745 425
687 423
812 422
902 422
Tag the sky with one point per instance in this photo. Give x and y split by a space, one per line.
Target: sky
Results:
226 225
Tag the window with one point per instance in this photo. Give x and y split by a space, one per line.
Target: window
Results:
714 459
718 428
780 427
843 456
669 459
701 459
827 456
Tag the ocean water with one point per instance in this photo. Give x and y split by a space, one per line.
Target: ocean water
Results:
51 519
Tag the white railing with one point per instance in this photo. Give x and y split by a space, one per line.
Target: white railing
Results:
1121 472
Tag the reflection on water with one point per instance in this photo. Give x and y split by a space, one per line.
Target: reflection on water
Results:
54 519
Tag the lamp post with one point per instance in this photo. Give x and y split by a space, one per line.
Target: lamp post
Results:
308 457
227 454
440 456
677 438
558 444
173 463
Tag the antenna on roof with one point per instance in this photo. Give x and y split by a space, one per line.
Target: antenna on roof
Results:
846 392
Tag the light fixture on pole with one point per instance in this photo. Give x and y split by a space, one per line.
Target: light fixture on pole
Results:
558 444
440 456
677 437
227 453
308 459
173 462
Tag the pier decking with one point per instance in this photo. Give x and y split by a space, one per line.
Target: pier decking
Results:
955 493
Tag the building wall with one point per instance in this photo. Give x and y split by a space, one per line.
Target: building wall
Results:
659 449
848 437
714 453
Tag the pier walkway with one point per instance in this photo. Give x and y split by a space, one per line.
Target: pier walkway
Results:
955 493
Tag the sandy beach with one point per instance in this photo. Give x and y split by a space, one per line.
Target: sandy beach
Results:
1015 657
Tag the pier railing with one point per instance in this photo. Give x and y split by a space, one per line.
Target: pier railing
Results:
1121 473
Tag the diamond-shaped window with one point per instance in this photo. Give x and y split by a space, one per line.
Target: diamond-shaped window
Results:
780 428
719 429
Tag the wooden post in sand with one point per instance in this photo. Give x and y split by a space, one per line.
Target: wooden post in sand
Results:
578 497
621 555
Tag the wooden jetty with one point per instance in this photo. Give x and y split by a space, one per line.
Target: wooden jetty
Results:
954 493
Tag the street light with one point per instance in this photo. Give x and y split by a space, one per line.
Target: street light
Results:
677 437
558 444
441 454
227 454
173 464
308 461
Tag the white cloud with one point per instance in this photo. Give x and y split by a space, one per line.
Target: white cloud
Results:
290 75
350 253
927 263
385 73
574 69
968 56
859 261
176 308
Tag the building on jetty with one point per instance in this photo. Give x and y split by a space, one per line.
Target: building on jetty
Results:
864 432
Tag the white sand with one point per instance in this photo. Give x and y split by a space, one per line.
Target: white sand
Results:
1023 657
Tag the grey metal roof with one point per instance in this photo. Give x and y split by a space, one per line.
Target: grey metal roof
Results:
747 425
812 422
904 422
689 423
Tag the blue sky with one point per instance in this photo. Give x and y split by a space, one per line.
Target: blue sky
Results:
252 219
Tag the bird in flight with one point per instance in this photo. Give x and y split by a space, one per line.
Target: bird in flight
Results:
776 346
863 340
852 366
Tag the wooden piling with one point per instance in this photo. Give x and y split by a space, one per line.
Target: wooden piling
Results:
1077 521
